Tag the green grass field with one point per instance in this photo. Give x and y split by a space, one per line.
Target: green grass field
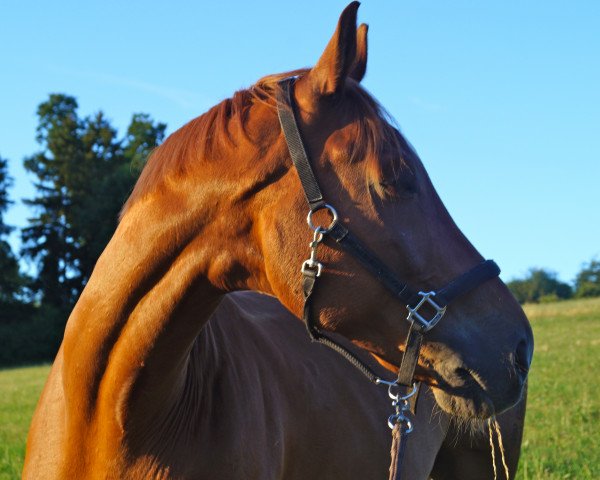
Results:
19 391
562 434
562 430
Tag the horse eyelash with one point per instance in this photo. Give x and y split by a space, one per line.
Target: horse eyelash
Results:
408 188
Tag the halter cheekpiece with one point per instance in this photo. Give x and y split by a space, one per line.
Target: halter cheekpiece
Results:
420 323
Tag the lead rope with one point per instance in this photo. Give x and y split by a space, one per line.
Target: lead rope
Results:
401 426
397 452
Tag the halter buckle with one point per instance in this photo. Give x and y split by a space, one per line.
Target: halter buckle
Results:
422 323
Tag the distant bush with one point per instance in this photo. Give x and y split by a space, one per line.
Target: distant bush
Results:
31 339
587 282
539 285
551 298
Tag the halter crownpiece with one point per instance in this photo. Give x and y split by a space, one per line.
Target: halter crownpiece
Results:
414 301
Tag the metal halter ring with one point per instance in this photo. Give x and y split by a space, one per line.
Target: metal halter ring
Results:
334 219
394 389
399 418
394 393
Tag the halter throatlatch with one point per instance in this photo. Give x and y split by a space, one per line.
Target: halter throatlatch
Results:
414 301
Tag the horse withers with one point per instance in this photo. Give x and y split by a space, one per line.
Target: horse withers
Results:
137 390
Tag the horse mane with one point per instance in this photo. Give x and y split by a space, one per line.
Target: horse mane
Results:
200 139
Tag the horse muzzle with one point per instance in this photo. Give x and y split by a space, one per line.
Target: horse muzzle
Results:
477 386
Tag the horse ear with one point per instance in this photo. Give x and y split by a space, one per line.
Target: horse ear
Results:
329 74
360 62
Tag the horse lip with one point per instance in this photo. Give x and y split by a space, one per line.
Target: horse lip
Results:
470 383
466 385
477 403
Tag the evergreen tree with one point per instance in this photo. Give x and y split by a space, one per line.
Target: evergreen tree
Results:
84 175
143 135
49 239
12 282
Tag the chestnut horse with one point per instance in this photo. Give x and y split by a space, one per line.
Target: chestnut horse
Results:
145 387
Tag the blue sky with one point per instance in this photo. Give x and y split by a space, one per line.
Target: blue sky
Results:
501 100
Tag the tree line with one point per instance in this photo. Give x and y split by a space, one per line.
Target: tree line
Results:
542 285
84 172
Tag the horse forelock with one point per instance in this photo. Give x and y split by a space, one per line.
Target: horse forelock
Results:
373 135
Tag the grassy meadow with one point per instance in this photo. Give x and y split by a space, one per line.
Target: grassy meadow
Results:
19 392
562 427
562 434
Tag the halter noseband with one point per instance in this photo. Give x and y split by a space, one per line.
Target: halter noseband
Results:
413 300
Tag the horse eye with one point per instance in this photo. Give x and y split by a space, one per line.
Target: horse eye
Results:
399 187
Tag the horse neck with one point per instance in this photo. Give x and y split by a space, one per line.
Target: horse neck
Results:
127 342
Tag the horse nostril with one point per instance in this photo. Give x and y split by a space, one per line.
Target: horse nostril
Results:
522 357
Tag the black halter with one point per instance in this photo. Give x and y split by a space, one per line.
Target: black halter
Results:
414 300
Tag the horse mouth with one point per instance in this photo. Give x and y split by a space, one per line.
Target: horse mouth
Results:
467 399
464 395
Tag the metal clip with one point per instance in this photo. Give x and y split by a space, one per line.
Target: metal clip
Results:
312 264
396 396
401 405
400 418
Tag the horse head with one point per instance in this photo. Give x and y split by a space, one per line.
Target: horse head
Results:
244 198
478 356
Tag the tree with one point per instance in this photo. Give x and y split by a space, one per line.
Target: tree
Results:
84 175
539 285
48 239
143 136
587 282
12 283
